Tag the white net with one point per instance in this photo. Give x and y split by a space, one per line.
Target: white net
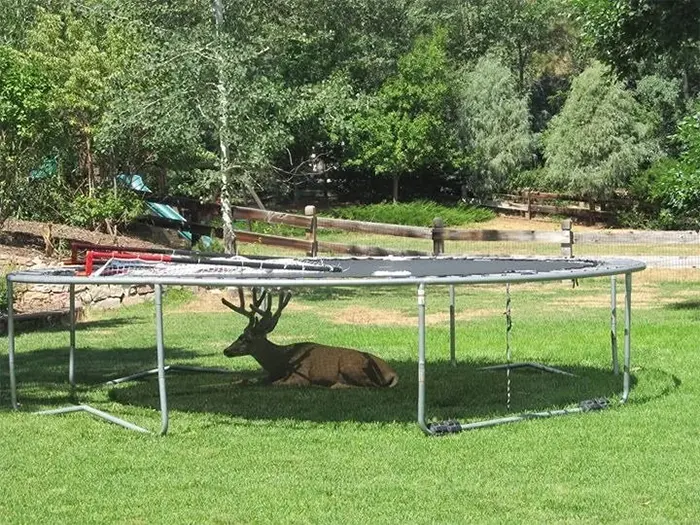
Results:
222 267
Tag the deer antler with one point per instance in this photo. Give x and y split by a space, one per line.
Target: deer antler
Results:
239 309
268 320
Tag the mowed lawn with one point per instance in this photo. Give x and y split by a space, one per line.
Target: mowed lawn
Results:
254 454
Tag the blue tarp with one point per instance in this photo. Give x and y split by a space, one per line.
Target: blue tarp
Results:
135 182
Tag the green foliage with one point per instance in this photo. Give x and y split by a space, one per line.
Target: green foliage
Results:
661 97
214 246
44 199
404 126
673 184
4 270
104 207
494 126
637 35
23 123
601 137
534 179
417 213
528 37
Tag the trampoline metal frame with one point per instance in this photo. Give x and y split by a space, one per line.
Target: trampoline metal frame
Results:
612 269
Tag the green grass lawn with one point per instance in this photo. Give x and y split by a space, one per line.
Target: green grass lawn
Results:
255 454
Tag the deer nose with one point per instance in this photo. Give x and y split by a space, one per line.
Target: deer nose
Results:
233 350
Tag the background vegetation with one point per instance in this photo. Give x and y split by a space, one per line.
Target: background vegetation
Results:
232 100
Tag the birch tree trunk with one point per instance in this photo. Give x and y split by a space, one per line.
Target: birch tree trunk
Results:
224 157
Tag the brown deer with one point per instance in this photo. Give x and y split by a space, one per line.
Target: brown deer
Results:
302 364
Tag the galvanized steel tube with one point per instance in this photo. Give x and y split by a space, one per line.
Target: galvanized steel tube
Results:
453 357
160 351
421 359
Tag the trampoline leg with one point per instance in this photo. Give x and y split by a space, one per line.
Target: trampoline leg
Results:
613 323
160 351
453 358
421 359
71 351
628 326
11 346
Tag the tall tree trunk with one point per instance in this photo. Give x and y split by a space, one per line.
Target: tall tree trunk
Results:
224 158
395 188
86 168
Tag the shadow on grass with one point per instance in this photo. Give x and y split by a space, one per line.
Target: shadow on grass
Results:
57 324
462 391
46 370
684 305
339 292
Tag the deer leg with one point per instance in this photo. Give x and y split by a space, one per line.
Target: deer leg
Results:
293 380
338 386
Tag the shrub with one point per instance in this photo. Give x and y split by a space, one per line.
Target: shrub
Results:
3 286
105 207
672 185
416 213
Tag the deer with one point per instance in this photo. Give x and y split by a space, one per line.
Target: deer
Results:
302 364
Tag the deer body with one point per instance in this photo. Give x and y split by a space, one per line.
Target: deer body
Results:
305 364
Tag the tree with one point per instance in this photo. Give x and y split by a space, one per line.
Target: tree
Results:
404 127
601 137
522 33
634 35
80 53
494 126
24 123
673 183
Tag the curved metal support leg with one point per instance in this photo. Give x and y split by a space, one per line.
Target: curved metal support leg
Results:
453 357
71 351
613 324
11 345
421 360
628 327
160 351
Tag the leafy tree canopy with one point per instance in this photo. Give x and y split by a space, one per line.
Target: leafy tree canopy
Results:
404 126
601 137
627 34
494 123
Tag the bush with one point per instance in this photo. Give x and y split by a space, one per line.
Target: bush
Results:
105 206
417 213
672 185
3 287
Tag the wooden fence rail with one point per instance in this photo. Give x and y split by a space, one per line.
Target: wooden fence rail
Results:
638 237
437 233
532 202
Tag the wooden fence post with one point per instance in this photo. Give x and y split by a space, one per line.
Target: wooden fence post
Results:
567 247
438 240
311 232
528 213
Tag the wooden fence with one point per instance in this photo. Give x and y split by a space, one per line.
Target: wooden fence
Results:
529 203
437 233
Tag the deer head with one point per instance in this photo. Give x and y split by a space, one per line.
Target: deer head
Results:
261 320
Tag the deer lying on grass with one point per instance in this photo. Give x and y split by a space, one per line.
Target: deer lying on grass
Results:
302 364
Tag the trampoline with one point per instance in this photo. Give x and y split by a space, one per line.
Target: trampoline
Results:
172 268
